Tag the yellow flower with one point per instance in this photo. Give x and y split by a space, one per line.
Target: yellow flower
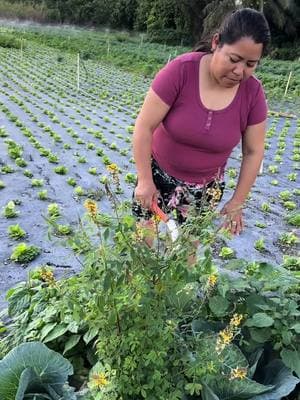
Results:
113 168
156 218
236 320
226 336
238 373
91 207
99 380
46 275
212 280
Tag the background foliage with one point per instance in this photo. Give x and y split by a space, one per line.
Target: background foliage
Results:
165 21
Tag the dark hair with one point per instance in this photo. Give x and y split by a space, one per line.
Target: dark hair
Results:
245 22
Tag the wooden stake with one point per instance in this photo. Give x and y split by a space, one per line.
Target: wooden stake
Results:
22 49
78 70
288 83
261 168
169 58
108 46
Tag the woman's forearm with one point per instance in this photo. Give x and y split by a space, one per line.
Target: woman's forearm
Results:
248 173
142 141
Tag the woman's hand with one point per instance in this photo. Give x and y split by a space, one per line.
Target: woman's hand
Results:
145 192
233 213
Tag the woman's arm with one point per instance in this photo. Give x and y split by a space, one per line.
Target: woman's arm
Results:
253 152
152 113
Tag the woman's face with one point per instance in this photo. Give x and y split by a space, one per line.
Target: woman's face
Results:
230 64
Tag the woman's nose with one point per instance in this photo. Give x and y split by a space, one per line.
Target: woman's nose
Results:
239 69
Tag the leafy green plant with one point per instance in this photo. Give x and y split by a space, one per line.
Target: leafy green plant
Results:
79 191
71 181
2 185
28 173
290 205
31 370
130 178
9 211
260 244
285 195
265 207
260 224
37 182
273 169
16 232
43 195
294 219
61 170
289 238
226 252
53 210
24 254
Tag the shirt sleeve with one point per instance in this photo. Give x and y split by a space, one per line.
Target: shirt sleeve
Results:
166 83
259 108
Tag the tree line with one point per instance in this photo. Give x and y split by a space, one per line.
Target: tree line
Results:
172 21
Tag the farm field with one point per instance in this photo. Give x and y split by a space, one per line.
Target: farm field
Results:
55 145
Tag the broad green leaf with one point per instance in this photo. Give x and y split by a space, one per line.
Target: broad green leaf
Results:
90 334
260 320
296 327
71 342
218 305
260 335
46 330
277 374
291 359
237 389
26 376
58 331
207 393
49 367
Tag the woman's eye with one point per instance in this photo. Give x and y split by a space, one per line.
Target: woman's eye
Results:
251 65
233 60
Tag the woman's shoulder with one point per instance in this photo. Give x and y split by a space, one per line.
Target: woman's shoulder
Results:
253 84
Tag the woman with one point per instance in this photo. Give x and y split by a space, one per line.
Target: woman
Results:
198 108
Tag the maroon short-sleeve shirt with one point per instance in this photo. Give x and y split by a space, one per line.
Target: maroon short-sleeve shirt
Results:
194 143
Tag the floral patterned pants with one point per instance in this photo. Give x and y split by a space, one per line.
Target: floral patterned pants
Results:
176 196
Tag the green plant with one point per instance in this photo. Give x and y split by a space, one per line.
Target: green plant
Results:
71 181
260 244
2 185
92 171
31 370
16 232
273 169
260 224
43 195
292 176
290 205
79 191
37 182
289 238
291 262
285 195
61 170
265 207
226 252
24 254
294 219
9 211
130 178
53 210
20 162
274 182
28 173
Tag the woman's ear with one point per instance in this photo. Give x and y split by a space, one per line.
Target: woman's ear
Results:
215 41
